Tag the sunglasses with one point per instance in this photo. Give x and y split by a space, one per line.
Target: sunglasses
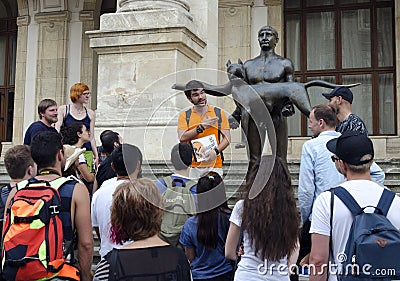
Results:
334 158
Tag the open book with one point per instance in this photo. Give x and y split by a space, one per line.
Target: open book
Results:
202 146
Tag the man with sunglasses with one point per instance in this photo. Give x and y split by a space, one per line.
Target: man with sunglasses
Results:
317 172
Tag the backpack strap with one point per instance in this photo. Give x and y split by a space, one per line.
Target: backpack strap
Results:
348 200
217 111
385 202
57 183
22 184
188 114
169 182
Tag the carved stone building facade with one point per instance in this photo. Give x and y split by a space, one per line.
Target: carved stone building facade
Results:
131 54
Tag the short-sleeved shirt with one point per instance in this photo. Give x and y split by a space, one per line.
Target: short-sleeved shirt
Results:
249 264
366 193
194 121
35 128
105 172
101 214
207 263
352 123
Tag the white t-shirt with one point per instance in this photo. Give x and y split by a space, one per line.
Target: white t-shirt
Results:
366 193
250 266
101 213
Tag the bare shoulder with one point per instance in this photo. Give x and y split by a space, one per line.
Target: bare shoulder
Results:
91 113
62 108
79 191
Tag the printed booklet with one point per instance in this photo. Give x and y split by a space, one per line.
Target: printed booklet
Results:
202 146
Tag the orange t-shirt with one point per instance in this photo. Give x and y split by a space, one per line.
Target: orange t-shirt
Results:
194 121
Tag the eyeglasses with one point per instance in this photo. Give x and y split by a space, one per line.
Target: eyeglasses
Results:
86 94
334 158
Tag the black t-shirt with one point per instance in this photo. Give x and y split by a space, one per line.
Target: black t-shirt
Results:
105 172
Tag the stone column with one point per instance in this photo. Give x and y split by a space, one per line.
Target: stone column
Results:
89 57
142 5
51 77
141 48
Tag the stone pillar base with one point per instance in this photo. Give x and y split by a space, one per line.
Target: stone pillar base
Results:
139 56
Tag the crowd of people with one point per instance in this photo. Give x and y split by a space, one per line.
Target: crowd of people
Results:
180 227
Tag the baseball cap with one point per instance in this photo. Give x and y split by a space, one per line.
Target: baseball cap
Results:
351 147
340 91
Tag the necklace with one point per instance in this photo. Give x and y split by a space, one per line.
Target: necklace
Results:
80 111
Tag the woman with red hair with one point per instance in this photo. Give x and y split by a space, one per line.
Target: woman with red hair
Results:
77 112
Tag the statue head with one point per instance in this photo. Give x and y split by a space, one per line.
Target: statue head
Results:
267 37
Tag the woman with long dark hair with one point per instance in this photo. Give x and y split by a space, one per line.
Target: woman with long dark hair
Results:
269 222
203 236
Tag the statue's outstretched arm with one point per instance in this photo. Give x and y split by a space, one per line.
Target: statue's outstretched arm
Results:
214 90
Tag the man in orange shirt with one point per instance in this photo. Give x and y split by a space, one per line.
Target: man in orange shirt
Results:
200 121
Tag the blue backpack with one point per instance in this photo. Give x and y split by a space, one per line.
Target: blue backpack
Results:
373 247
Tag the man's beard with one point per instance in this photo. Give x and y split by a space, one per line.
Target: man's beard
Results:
51 120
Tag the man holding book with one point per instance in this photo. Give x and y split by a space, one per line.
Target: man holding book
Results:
205 124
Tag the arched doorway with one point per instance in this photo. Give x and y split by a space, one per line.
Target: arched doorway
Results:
8 47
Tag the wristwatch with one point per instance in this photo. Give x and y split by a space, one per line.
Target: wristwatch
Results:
199 129
216 151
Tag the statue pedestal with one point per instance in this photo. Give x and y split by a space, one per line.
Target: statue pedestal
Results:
139 55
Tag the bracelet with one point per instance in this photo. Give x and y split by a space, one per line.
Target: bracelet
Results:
216 151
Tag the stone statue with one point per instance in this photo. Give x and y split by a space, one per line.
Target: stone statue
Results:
266 79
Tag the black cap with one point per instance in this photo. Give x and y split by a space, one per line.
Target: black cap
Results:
193 84
351 147
341 91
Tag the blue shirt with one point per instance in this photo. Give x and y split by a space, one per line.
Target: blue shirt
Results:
317 172
206 263
35 128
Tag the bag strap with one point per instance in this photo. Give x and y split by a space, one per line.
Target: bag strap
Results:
348 200
188 114
169 182
112 275
56 184
385 202
217 111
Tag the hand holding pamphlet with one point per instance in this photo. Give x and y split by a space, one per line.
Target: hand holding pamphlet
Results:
202 146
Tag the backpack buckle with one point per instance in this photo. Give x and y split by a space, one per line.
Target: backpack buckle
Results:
54 210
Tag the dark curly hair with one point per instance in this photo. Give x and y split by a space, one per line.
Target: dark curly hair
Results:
70 133
271 218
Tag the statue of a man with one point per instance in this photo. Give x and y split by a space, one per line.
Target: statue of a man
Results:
268 68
